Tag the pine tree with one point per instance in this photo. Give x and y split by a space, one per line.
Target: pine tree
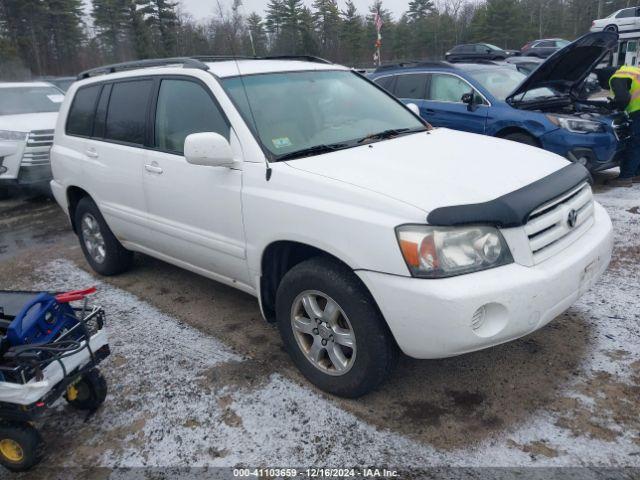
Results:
420 9
257 35
326 20
162 20
111 19
351 34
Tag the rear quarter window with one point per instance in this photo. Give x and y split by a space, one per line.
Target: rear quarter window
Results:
81 114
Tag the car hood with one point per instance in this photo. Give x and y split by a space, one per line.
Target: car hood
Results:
568 67
436 169
27 122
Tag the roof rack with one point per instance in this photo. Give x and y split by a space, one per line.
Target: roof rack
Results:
482 61
413 64
186 62
196 61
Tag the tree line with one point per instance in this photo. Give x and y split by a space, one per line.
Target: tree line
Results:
57 37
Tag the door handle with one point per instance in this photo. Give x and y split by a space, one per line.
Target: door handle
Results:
429 110
153 168
92 153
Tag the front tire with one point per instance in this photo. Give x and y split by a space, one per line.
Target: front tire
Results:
611 28
332 328
101 248
21 446
522 137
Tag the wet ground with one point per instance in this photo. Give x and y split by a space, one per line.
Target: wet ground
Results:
197 378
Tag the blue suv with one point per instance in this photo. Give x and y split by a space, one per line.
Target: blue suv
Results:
545 109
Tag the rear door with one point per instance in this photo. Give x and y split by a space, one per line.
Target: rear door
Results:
114 155
443 106
626 19
195 211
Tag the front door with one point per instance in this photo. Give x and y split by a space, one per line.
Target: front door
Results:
195 211
444 107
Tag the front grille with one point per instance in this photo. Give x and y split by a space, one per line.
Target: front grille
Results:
621 128
39 144
559 223
40 138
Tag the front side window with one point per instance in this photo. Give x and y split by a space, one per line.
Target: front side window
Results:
81 113
411 86
447 88
127 112
19 100
293 112
183 108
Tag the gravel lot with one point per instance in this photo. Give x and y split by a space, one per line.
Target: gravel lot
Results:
198 379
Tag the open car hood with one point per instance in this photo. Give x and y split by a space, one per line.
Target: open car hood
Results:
568 67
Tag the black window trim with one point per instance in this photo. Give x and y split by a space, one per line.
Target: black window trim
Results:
151 134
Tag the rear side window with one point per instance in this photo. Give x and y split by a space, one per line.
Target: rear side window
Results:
183 108
385 82
127 112
411 86
81 114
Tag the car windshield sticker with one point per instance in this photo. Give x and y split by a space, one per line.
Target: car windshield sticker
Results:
283 142
57 98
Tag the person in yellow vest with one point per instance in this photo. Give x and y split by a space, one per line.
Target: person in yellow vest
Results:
625 88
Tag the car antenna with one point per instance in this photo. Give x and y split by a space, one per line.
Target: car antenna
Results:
244 87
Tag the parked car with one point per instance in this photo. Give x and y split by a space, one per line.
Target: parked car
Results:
63 83
544 47
477 51
28 114
538 109
625 20
525 64
361 230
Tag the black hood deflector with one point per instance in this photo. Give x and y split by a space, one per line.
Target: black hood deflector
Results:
568 67
513 209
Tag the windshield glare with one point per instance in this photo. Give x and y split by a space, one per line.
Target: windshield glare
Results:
501 82
17 100
300 110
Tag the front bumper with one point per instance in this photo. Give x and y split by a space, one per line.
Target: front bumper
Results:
435 318
601 150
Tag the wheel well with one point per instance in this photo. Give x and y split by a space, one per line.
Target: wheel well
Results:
509 130
277 259
74 195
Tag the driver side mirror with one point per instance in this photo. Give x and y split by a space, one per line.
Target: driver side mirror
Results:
469 99
208 149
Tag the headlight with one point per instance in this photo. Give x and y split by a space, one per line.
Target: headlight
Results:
437 252
576 125
15 136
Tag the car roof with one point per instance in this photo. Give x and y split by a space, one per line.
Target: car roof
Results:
24 84
438 66
234 68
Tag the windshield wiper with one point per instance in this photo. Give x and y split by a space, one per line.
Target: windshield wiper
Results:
394 132
315 150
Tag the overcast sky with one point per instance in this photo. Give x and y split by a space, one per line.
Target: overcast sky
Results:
201 9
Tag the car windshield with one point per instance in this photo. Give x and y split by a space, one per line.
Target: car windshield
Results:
492 47
501 82
17 100
297 112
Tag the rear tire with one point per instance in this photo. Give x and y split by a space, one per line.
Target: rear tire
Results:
101 248
89 392
339 369
521 137
4 193
21 446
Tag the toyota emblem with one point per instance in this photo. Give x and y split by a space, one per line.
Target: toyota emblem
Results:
572 218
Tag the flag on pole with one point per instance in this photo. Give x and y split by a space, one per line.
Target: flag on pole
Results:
377 20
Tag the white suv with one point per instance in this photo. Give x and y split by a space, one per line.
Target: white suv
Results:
28 112
362 231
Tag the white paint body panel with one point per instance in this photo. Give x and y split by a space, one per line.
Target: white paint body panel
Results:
218 221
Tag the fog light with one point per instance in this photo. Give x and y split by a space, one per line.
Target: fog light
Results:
489 320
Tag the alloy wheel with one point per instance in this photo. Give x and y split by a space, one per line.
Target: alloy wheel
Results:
93 239
323 332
